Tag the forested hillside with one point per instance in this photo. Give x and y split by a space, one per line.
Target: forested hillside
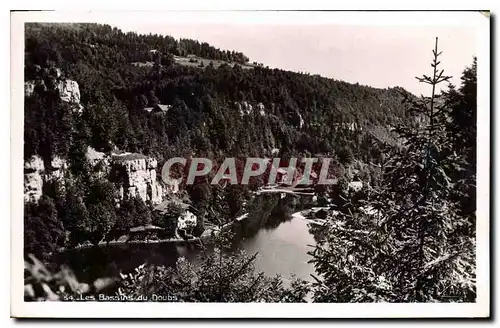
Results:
84 88
300 114
105 109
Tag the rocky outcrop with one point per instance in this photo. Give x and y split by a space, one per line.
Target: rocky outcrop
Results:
94 157
99 161
69 91
33 180
244 108
36 175
136 175
133 174
301 121
262 109
30 86
56 170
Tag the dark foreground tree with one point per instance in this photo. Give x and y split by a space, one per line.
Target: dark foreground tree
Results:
221 275
234 279
410 240
44 232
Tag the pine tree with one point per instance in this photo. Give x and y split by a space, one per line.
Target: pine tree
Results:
44 232
408 241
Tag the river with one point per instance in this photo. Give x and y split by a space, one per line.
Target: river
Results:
281 241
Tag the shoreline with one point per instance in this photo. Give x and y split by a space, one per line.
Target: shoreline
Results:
155 241
204 236
207 234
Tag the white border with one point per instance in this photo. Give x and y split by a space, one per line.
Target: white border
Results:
19 308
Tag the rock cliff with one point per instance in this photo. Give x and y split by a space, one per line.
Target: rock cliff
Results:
69 91
133 174
33 181
262 109
136 176
36 174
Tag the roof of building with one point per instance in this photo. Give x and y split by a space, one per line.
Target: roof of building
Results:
164 206
128 156
164 108
148 227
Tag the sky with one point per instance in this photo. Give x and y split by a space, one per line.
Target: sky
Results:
378 56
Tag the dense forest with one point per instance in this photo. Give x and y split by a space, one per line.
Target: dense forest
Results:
203 115
304 115
226 110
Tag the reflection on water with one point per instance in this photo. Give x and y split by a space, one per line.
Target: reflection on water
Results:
283 250
281 243
92 263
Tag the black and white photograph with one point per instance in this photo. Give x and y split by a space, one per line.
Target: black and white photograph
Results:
323 164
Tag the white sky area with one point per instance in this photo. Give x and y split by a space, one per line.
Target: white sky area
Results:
379 56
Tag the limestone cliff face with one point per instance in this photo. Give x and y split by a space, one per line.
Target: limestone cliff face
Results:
36 174
297 120
99 161
136 175
245 108
56 170
133 174
33 181
262 109
29 88
69 91
301 121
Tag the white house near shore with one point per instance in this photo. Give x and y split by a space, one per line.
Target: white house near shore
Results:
355 185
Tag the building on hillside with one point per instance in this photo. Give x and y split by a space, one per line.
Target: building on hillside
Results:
356 184
158 108
282 176
353 126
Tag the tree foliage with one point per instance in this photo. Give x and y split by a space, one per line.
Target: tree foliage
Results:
410 240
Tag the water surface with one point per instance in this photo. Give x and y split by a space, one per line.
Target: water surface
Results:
282 243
